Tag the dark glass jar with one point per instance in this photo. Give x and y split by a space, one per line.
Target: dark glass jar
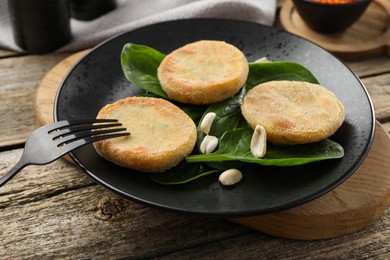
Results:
40 26
90 9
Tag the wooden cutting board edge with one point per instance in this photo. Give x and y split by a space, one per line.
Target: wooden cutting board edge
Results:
353 205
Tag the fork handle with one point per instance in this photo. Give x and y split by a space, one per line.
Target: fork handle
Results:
11 173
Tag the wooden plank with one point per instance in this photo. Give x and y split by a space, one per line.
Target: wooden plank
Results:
7 53
38 182
49 212
386 126
19 77
57 212
90 222
379 89
370 66
370 243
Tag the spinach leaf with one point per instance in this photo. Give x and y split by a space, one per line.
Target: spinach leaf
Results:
140 64
260 72
235 146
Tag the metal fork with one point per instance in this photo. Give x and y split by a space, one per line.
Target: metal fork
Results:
52 141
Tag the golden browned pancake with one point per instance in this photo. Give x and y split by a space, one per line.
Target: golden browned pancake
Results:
203 72
161 134
293 112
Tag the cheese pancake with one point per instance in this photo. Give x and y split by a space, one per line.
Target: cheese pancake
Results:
203 72
293 112
161 134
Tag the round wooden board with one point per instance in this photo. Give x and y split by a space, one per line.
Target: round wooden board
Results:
370 35
47 89
351 206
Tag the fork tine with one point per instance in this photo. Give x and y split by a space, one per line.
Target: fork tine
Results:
66 123
39 147
80 142
73 136
70 129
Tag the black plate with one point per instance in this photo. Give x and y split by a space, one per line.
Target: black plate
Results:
97 80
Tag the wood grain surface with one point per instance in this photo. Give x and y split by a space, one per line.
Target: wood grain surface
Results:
57 212
17 91
336 214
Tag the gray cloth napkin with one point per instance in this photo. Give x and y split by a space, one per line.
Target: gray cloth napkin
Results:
132 14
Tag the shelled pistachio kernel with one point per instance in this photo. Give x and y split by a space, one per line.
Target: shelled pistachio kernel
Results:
259 142
230 177
208 144
207 121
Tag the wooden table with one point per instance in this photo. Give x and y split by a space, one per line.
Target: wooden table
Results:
57 211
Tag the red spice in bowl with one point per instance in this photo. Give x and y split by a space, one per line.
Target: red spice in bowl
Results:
335 1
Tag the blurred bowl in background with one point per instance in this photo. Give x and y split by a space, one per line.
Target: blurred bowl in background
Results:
87 10
330 16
